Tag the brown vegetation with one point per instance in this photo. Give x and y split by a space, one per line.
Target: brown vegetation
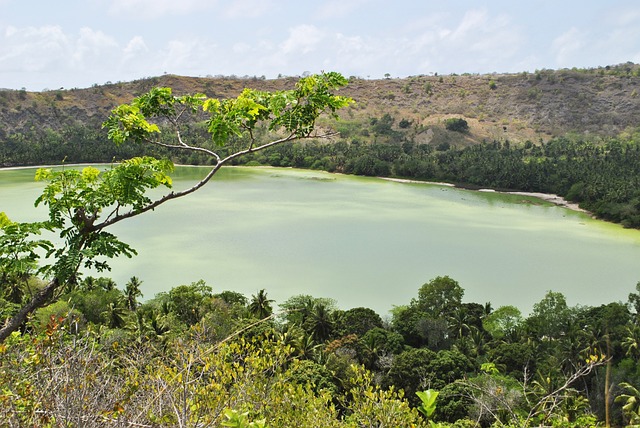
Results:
515 107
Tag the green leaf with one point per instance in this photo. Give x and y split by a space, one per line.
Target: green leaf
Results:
428 405
4 220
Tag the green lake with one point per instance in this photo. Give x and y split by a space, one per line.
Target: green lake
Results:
362 241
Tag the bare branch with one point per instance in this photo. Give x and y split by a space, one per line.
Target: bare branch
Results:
555 394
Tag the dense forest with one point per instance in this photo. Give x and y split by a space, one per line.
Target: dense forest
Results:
195 357
81 351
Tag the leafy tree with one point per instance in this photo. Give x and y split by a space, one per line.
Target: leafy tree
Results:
549 317
405 320
132 292
93 304
320 323
634 303
379 342
84 204
357 321
417 369
232 298
297 309
260 305
114 315
630 400
515 359
19 256
456 124
502 321
411 371
441 297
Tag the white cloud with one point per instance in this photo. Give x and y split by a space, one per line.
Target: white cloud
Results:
339 8
469 42
151 9
620 42
135 46
302 39
566 46
190 56
473 22
33 48
620 17
241 48
38 57
248 8
92 46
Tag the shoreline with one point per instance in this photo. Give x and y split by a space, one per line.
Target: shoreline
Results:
547 197
14 168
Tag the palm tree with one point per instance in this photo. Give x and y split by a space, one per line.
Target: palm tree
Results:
260 305
89 283
132 292
114 315
632 342
631 403
459 323
107 284
320 323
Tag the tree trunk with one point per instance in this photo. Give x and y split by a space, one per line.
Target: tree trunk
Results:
38 300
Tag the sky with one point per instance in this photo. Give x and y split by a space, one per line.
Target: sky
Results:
47 45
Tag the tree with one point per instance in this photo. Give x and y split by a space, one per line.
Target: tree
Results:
84 204
456 124
132 292
232 298
411 371
440 297
502 321
188 302
630 403
297 309
114 315
357 321
260 305
18 256
549 317
320 323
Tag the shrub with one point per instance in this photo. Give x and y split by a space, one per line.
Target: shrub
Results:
456 124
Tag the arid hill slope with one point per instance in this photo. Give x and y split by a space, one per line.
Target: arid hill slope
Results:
515 107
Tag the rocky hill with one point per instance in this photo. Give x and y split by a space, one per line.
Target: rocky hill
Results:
600 102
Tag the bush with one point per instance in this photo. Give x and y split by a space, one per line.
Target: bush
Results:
456 124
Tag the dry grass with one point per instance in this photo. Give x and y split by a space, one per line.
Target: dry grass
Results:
514 107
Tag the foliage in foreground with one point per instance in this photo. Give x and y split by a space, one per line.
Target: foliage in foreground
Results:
60 379
189 357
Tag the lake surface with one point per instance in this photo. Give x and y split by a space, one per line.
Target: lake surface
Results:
362 241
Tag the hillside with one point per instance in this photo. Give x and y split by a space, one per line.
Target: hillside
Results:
515 107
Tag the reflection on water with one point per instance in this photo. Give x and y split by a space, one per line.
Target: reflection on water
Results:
365 242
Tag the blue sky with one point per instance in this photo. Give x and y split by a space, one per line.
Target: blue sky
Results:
48 44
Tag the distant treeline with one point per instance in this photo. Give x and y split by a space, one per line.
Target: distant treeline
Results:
601 176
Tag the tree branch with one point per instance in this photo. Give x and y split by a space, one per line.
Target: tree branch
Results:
39 299
205 180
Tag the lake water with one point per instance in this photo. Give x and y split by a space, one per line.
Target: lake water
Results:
362 241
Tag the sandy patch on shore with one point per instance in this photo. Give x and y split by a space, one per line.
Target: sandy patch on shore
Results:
554 199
